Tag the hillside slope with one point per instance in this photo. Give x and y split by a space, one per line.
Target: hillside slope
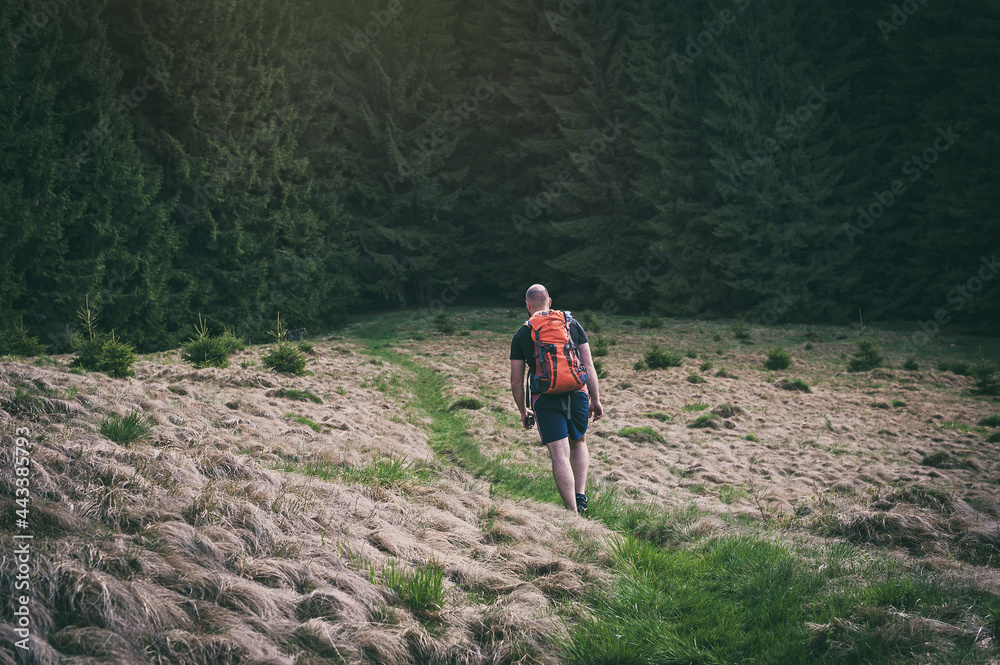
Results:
256 525
191 547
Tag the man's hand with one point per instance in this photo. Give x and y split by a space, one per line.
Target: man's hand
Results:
596 410
528 419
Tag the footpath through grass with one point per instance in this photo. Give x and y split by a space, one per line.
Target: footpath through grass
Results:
681 598
450 439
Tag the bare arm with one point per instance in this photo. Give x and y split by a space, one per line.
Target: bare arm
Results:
593 385
517 387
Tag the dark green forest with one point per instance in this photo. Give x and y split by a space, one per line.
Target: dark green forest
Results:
788 161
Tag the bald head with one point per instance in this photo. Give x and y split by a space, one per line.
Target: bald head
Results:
537 298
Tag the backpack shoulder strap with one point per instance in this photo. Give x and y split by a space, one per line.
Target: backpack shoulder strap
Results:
569 332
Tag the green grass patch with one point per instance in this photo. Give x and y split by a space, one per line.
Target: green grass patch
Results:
640 434
300 395
383 471
421 589
750 436
695 406
956 426
302 420
384 382
128 429
450 439
467 403
730 494
727 410
660 527
736 601
795 385
945 460
989 421
23 402
743 599
659 415
704 420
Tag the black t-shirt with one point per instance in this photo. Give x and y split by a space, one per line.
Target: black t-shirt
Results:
522 347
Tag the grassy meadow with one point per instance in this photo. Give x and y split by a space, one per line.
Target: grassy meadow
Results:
752 501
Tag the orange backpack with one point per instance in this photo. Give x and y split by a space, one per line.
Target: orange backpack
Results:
558 368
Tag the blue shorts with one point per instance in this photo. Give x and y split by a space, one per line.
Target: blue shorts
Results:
561 416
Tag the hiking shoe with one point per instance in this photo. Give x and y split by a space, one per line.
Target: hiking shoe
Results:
581 503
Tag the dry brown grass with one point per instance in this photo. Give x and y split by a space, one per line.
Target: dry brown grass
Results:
191 548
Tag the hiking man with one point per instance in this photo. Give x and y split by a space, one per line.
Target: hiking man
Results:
564 390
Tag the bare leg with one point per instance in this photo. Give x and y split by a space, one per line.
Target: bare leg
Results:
562 471
579 459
